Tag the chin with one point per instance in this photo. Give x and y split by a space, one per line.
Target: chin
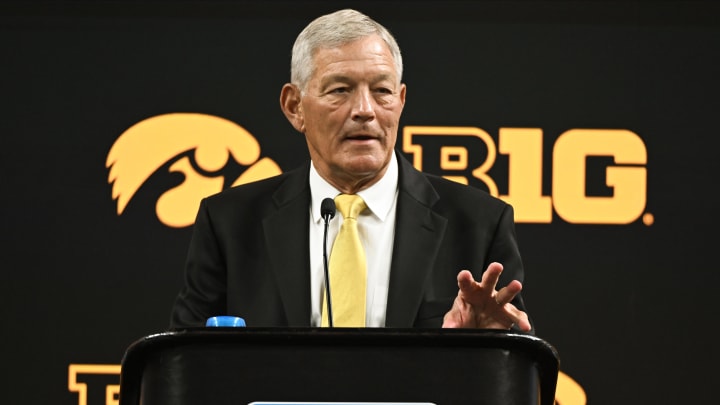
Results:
368 164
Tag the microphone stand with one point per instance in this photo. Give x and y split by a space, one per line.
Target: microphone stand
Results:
327 212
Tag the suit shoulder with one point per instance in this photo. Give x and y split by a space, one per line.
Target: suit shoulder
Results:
467 203
451 190
260 192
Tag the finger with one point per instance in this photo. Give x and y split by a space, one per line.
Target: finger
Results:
466 282
515 316
471 291
491 276
508 293
518 318
524 325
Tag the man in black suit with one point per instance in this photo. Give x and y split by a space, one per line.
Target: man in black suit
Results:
256 249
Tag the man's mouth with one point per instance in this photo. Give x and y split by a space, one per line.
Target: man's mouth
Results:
360 137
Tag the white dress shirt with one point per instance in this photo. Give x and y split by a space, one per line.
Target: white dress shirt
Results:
376 226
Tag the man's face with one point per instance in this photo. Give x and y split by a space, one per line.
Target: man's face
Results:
351 112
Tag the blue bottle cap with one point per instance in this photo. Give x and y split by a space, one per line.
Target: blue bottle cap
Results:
225 321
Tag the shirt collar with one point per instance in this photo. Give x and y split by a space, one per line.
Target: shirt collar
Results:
379 197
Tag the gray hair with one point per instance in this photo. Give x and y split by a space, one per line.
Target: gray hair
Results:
333 30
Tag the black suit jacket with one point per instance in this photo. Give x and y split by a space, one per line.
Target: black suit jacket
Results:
249 253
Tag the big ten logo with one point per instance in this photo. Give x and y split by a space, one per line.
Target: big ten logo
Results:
597 176
95 383
210 152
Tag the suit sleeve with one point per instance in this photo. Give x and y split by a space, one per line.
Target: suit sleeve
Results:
505 250
203 293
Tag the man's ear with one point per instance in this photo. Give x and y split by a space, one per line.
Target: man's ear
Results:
292 108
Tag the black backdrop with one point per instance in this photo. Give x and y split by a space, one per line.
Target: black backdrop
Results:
630 307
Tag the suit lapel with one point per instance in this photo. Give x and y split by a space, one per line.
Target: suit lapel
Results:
418 229
286 236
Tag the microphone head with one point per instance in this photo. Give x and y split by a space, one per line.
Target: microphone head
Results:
327 208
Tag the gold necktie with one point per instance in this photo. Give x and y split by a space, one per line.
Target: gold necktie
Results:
347 267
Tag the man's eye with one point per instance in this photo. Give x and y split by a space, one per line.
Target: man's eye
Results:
339 90
384 90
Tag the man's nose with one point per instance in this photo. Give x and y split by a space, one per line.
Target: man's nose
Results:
363 105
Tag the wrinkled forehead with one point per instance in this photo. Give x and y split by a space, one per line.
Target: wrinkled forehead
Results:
366 54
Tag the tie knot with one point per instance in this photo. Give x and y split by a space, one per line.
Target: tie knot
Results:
350 205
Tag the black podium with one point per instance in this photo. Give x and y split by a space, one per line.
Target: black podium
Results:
240 366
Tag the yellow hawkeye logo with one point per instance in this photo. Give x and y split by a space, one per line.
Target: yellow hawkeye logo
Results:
205 141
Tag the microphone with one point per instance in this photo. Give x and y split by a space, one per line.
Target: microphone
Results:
327 211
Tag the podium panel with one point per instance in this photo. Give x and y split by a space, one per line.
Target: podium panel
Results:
242 366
